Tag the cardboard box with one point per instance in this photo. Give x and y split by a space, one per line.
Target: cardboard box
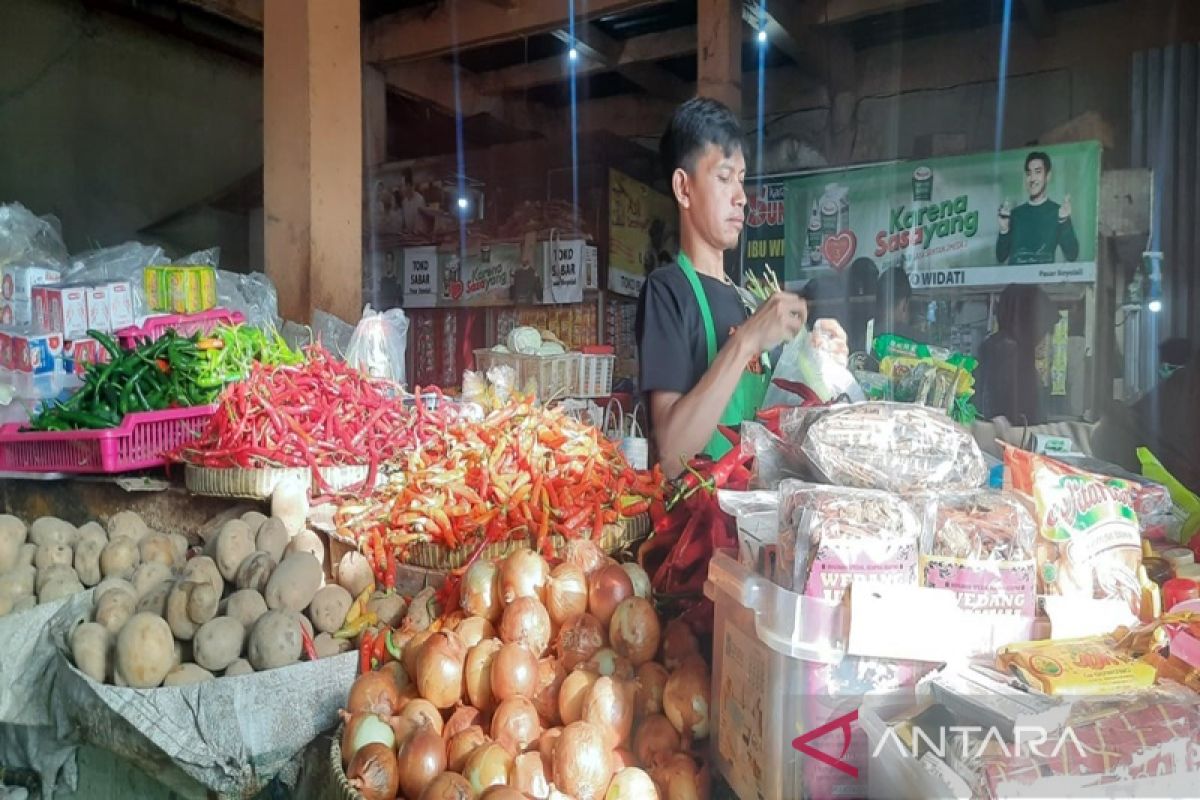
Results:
36 353
6 349
120 304
78 354
41 310
99 317
17 312
68 312
18 280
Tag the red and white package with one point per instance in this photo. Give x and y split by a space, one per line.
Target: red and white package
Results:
68 311
99 316
120 304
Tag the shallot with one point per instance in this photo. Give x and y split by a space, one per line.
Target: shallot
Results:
655 741
477 674
523 574
607 587
527 622
515 725
631 782
481 591
375 692
361 730
514 672
685 698
651 680
582 762
440 669
578 640
609 705
374 772
566 593
448 786
634 630
474 630
422 758
460 747
573 693
489 765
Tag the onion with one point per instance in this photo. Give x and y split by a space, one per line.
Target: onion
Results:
634 630
606 662
422 758
448 786
526 621
481 591
655 741
529 775
515 725
578 640
584 554
551 675
463 717
582 762
651 680
523 574
489 765
607 587
573 693
361 730
462 745
631 782
639 579
546 744
477 674
514 672
440 669
566 593
609 705
679 779
412 652
404 684
474 630
622 758
678 643
501 793
375 692
374 772
685 698
416 714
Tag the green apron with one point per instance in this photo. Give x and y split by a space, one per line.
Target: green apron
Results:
751 388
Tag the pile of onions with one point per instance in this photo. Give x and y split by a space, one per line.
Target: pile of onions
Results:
550 683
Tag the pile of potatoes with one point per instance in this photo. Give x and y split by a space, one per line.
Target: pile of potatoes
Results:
237 608
52 559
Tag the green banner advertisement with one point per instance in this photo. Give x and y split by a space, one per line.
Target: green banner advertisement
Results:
1017 216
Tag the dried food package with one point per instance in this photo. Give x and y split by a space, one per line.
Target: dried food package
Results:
981 545
893 447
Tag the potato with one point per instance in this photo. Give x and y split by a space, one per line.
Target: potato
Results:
115 583
154 601
275 641
246 606
329 607
303 622
203 568
289 502
114 608
234 543
92 530
24 604
57 589
56 572
389 608
272 537
354 573
239 667
254 520
19 582
306 542
91 644
294 582
87 559
49 555
12 536
190 605
145 651
181 545
255 571
327 646
128 525
119 558
149 575
28 554
6 605
219 643
158 547
188 674
52 530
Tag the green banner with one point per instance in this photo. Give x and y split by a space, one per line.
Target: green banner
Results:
1018 216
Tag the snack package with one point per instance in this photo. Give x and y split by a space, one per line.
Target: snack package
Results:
980 544
1086 666
928 375
1089 540
893 447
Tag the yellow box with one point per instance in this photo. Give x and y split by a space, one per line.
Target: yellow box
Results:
154 281
1075 667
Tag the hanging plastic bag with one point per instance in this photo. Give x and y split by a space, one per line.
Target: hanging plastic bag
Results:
817 359
379 343
29 239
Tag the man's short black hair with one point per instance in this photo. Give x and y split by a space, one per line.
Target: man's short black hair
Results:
696 124
894 287
1038 155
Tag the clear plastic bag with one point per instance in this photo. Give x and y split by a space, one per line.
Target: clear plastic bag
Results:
332 332
251 293
379 343
123 262
757 515
818 360
30 239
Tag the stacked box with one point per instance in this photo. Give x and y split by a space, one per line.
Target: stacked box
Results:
181 289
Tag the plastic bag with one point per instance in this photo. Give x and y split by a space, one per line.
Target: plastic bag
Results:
379 343
30 239
332 332
123 262
210 257
757 515
251 293
818 360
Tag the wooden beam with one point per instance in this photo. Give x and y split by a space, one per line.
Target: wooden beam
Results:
1040 19
248 13
600 48
463 24
719 54
374 117
839 12
592 43
789 32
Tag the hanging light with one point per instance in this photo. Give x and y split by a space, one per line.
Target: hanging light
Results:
762 37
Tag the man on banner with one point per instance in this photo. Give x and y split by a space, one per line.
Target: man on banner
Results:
1033 232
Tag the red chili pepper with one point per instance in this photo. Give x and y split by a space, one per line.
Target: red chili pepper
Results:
310 648
729 433
379 649
364 651
598 523
807 395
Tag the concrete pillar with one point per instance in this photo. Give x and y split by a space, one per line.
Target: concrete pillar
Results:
374 117
313 156
719 51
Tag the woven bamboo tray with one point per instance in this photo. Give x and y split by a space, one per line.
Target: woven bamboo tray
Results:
259 484
338 785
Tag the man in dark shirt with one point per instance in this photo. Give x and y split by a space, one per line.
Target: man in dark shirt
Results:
699 348
1033 232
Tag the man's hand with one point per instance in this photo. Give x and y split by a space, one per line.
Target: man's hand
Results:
1064 211
777 320
828 337
1005 216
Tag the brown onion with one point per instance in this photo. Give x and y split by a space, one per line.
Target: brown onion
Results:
582 762
477 674
610 706
527 622
607 587
463 717
651 680
374 772
501 793
639 579
523 574
375 692
678 642
655 741
634 630
584 554
566 593
440 669
422 758
395 671
489 765
514 672
474 630
606 662
573 693
360 730
462 745
578 640
546 744
529 775
448 786
545 697
515 725
686 698
416 714
679 779
481 591
412 651
631 782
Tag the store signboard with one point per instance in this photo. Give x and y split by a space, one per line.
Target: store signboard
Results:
643 233
484 277
765 216
562 276
1017 216
421 277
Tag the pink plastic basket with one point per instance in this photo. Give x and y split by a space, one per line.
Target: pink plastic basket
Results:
184 324
138 443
